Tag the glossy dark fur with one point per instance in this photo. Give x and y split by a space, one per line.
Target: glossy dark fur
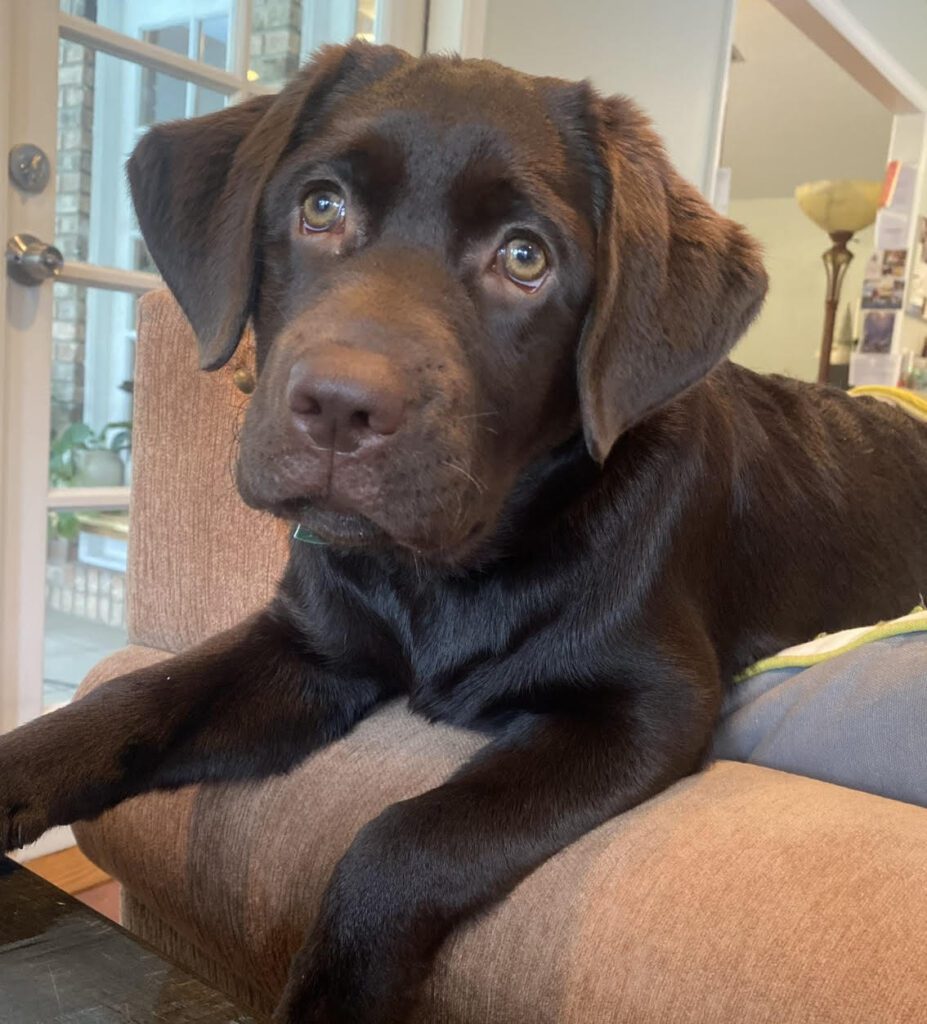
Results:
636 521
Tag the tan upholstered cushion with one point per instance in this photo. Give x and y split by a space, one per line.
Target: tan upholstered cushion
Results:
743 895
199 559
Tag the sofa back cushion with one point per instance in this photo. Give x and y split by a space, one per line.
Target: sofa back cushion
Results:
199 559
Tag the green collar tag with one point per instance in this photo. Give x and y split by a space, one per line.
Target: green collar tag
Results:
307 537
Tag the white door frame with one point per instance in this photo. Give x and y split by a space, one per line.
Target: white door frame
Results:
26 351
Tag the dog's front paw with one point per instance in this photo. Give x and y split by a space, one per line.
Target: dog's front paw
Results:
38 772
23 811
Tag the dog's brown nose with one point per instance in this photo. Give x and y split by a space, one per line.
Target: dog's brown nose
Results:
343 397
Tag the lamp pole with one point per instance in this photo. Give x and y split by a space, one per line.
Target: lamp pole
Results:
836 260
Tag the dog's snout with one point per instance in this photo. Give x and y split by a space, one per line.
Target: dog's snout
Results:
343 398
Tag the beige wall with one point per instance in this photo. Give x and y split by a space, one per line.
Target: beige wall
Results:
669 55
786 337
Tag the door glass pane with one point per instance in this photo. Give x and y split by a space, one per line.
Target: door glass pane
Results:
93 365
161 98
93 362
175 38
85 614
213 41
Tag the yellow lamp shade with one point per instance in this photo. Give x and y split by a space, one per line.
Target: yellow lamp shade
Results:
844 205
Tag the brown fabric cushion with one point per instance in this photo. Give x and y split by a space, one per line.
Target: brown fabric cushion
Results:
199 559
740 896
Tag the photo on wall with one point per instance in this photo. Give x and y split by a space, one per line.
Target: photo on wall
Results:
883 283
878 327
917 297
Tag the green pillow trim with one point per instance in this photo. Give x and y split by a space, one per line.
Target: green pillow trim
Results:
811 653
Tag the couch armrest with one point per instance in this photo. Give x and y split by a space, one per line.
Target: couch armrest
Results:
740 896
199 559
120 841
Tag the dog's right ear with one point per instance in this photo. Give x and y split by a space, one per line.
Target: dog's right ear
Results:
677 283
197 187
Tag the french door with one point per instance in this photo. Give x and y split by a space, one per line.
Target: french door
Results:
80 80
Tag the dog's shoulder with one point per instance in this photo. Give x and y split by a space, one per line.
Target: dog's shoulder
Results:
776 399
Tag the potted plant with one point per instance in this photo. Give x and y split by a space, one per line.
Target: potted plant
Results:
81 457
63 528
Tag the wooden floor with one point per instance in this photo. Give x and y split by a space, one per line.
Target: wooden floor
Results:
71 871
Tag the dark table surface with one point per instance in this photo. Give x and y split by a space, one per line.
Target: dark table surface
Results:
62 963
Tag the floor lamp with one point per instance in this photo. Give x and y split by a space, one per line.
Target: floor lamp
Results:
841 208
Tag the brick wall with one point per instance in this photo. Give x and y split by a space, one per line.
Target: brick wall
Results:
72 218
275 39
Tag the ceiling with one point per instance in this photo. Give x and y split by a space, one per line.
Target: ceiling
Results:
793 115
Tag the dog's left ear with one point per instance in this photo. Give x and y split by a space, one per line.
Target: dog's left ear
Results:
676 283
197 186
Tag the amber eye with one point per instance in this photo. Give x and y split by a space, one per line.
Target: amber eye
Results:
323 210
524 261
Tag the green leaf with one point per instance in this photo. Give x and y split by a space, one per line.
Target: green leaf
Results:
63 524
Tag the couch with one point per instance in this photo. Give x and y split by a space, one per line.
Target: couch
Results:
755 891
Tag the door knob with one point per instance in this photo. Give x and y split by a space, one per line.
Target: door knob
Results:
30 261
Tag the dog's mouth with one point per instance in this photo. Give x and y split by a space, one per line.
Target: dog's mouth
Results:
329 527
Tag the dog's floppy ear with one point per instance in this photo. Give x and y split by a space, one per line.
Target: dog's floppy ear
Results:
676 283
197 188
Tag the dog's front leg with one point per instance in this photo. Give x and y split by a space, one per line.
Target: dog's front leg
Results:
249 702
426 864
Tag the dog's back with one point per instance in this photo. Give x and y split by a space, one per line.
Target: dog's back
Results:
828 506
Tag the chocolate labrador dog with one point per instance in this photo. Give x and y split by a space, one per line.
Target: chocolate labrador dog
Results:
491 326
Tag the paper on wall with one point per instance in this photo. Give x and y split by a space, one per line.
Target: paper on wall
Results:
891 230
898 189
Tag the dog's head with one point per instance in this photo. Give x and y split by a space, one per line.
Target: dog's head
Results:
451 269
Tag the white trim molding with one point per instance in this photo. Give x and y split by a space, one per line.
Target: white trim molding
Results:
843 38
457 26
88 497
33 52
98 37
712 165
401 23
89 275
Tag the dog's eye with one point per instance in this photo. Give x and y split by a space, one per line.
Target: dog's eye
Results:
323 210
524 261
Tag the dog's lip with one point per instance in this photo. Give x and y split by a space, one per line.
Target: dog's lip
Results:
335 527
341 529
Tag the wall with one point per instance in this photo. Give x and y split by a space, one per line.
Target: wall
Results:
671 57
793 114
787 336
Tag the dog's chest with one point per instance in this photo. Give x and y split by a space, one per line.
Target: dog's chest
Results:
476 654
